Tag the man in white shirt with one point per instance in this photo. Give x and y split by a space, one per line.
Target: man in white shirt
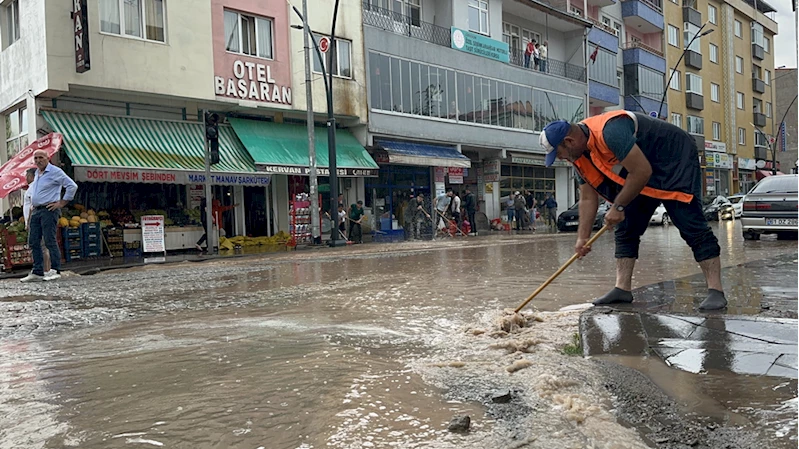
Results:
27 202
542 56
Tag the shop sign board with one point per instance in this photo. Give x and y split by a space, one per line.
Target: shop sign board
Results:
196 195
746 164
152 234
480 183
440 172
252 81
719 160
715 146
320 171
479 45
491 170
80 24
108 174
455 175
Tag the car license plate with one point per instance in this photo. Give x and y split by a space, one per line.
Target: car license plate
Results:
780 222
572 223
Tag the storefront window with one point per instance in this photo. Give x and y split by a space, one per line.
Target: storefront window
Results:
539 180
388 193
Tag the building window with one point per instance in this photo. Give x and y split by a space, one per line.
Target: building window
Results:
248 35
617 27
741 136
711 14
757 72
767 44
757 105
603 69
739 64
757 34
341 55
739 100
696 125
689 33
768 109
767 78
643 81
676 119
714 92
478 16
716 131
674 36
12 23
538 180
714 53
576 11
738 32
760 139
693 83
16 131
675 79
620 81
606 21
133 18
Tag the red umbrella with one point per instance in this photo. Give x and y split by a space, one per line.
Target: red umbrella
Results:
12 173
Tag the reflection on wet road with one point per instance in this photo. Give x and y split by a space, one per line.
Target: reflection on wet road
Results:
295 350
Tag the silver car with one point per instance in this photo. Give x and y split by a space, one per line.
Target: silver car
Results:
771 208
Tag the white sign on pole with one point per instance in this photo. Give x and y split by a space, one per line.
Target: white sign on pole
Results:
152 234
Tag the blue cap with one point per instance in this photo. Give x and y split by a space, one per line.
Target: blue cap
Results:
551 137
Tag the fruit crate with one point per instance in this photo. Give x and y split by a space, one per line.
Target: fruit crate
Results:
89 231
131 249
91 248
15 253
114 242
73 244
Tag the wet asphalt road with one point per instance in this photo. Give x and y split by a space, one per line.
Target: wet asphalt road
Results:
308 349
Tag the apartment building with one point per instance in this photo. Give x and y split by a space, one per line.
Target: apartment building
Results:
126 81
454 100
786 105
721 89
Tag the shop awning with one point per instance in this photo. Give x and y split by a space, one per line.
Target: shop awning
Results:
127 149
280 148
423 154
760 174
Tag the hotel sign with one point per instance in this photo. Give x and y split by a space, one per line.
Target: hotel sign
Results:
80 24
254 82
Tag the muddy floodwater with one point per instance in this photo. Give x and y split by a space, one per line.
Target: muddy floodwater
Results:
357 347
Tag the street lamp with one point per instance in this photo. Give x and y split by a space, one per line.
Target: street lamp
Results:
698 34
327 75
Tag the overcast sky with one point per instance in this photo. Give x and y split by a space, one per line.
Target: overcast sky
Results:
785 41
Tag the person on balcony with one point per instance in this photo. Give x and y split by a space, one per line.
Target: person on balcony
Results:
542 56
528 53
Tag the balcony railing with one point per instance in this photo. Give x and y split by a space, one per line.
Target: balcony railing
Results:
408 26
642 46
603 27
549 66
389 20
654 4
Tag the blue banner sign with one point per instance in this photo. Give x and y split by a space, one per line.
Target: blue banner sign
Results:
479 45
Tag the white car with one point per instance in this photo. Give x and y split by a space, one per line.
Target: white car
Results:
660 216
737 204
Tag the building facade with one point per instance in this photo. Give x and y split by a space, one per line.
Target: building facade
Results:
721 74
785 82
126 82
454 101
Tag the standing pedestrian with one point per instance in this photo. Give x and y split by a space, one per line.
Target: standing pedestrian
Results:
660 164
529 200
30 176
408 214
356 217
342 219
441 204
420 217
536 56
519 204
551 207
510 208
528 53
46 204
542 56
455 209
470 204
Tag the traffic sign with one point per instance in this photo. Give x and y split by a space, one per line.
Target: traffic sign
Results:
653 114
324 44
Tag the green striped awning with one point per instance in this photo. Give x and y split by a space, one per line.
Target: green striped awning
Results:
149 144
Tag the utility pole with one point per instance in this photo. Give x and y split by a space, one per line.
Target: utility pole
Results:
209 220
315 229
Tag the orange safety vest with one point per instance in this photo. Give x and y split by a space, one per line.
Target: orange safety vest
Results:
597 165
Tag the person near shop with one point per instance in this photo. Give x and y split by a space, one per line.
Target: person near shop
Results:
510 208
441 204
519 205
342 220
470 205
356 216
529 200
216 211
30 176
408 215
420 217
455 209
636 162
551 207
46 204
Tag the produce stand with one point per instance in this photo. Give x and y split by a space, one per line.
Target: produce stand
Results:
14 251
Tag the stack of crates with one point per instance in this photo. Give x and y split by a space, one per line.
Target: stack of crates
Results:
92 239
113 239
73 246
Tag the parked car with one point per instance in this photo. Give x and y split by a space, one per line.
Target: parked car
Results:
570 220
737 204
771 208
660 216
715 207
